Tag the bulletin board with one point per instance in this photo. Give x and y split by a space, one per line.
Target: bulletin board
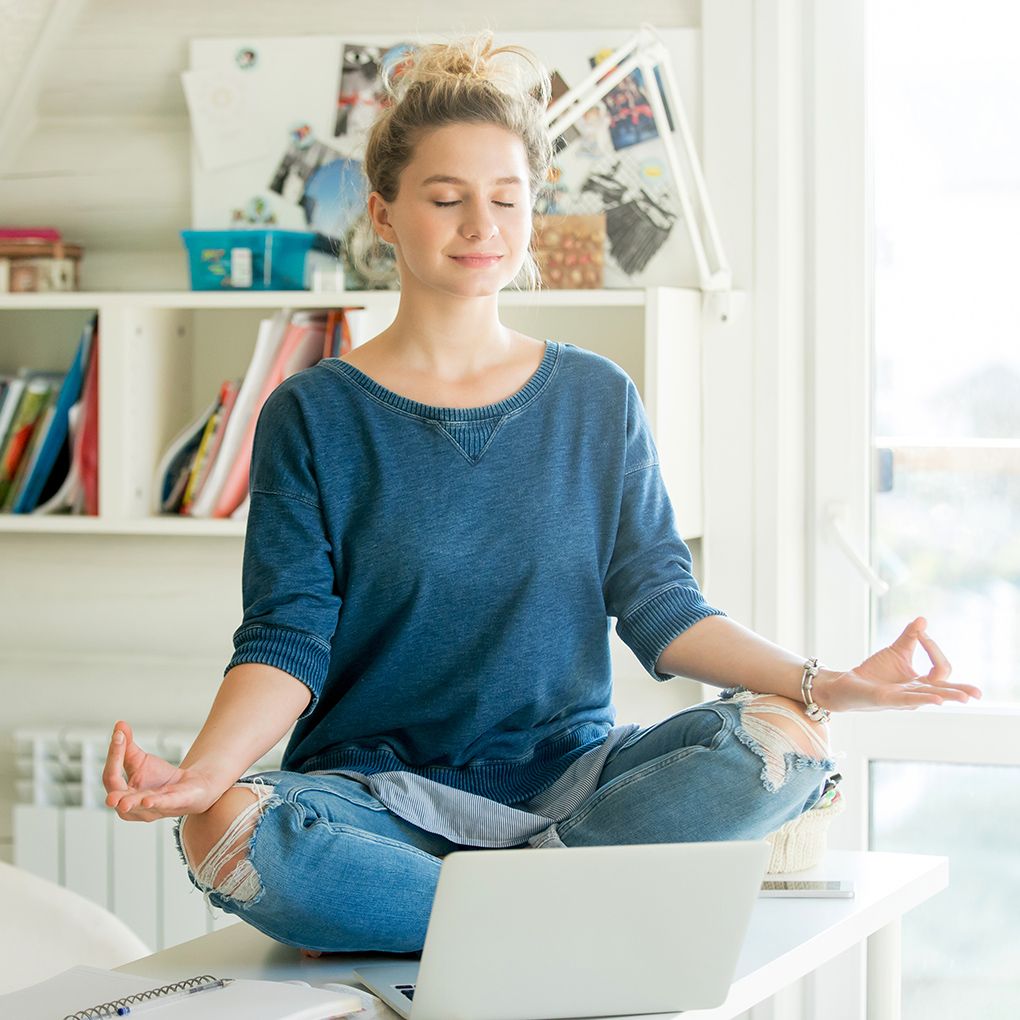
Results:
279 125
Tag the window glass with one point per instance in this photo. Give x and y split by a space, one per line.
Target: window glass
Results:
960 948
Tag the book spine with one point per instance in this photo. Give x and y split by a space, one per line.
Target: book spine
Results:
31 407
196 467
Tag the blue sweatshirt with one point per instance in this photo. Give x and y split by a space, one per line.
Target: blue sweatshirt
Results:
443 580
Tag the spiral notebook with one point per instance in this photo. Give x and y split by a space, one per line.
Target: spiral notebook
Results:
91 993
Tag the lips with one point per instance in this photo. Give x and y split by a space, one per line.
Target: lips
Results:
476 260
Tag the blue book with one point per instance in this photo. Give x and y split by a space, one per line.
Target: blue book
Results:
56 435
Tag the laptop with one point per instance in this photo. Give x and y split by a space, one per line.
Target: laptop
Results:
542 934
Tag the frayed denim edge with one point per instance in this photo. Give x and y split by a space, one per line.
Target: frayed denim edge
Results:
273 800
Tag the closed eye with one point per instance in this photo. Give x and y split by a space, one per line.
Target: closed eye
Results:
505 205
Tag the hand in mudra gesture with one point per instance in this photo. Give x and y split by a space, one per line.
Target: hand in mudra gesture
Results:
143 787
887 679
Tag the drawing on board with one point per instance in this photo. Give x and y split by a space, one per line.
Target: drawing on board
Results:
618 167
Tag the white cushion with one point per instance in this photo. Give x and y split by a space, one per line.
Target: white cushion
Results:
45 928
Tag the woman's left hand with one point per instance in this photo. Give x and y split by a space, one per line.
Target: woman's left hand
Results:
887 678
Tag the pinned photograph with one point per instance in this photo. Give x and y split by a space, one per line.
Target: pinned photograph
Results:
360 94
631 119
246 58
302 157
560 88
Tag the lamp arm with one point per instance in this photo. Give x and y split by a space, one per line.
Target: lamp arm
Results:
695 165
579 90
585 99
647 54
662 123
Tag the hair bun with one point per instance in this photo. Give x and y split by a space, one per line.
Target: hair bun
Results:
474 60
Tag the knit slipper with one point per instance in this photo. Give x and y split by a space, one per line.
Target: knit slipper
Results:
801 842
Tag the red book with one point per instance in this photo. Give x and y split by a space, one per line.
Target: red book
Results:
301 347
86 451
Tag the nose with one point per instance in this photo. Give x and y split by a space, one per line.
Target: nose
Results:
478 221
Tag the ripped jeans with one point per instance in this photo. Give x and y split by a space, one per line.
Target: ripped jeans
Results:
330 868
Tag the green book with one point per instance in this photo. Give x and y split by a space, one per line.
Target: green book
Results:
30 408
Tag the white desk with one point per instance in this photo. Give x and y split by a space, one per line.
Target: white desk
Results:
787 939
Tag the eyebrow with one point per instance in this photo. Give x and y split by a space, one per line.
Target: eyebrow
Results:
447 179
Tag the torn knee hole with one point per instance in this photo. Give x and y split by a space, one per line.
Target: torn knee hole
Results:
774 727
804 735
226 868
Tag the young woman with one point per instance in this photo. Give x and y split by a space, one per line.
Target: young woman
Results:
442 524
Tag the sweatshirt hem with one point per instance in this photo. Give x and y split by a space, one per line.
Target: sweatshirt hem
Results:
507 782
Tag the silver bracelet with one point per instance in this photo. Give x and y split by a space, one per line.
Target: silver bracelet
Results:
812 711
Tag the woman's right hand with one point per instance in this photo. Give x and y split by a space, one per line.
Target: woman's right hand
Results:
143 787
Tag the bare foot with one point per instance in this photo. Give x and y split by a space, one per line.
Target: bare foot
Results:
311 952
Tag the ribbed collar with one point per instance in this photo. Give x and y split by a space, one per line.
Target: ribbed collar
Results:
447 414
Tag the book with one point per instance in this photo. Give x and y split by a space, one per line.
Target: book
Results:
56 436
227 400
31 454
86 447
84 993
174 467
14 386
338 333
67 495
31 407
301 348
241 513
267 343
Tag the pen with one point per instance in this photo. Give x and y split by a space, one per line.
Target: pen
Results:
145 1006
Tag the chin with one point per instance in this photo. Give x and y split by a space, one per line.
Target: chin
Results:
476 288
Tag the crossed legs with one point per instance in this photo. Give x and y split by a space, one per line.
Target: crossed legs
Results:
217 843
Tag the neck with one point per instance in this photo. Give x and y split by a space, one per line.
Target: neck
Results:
447 336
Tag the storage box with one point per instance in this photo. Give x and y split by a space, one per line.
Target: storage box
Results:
570 250
247 259
33 265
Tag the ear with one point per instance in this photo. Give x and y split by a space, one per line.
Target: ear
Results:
380 217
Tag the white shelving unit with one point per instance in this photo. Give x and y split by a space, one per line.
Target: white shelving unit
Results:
163 355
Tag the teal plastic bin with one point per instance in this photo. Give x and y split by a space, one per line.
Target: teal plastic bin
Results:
247 259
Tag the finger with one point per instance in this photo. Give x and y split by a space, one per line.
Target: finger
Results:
140 815
917 698
130 810
169 799
125 801
113 771
116 796
908 638
964 691
133 754
942 665
949 694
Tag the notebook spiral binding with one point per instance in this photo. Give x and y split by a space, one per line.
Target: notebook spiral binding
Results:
107 1009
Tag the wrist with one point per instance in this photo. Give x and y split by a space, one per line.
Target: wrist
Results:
219 773
823 688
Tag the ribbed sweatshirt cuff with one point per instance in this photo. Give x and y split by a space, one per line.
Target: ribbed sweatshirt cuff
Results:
303 656
650 627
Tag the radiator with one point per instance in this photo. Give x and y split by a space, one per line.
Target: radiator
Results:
63 831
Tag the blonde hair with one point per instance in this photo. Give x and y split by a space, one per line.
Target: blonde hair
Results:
461 81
